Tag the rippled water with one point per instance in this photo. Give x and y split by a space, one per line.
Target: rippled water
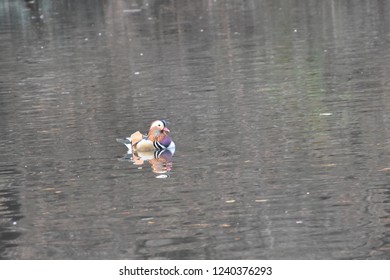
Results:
279 111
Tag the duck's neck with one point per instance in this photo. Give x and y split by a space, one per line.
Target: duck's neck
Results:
155 134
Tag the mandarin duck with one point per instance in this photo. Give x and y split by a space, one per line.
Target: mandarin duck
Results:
156 139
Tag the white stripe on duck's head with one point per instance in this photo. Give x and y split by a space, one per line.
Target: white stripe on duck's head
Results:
162 125
157 129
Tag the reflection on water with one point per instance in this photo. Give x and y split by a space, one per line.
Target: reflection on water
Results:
280 108
160 161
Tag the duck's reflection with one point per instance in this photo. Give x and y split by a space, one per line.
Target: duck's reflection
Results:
160 161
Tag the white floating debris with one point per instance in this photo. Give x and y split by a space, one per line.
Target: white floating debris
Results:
141 54
295 30
100 34
299 222
132 11
201 30
162 176
86 39
225 225
14 223
261 200
41 16
136 73
230 201
326 114
147 219
308 193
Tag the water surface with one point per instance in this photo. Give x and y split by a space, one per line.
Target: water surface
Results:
279 111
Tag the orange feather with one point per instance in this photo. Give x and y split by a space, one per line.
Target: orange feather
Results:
136 137
154 133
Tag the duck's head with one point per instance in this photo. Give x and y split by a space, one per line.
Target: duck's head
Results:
157 128
160 125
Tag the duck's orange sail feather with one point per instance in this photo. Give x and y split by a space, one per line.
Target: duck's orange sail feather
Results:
136 137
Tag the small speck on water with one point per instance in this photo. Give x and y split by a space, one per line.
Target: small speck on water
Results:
326 114
225 225
136 73
132 11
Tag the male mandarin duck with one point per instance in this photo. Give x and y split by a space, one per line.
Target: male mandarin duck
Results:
156 139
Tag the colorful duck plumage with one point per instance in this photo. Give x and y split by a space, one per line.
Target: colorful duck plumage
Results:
156 139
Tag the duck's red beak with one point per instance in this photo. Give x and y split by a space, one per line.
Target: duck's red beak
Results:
166 129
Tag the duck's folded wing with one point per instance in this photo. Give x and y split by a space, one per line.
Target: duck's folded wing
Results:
136 137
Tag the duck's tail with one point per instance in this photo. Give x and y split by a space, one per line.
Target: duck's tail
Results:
125 141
